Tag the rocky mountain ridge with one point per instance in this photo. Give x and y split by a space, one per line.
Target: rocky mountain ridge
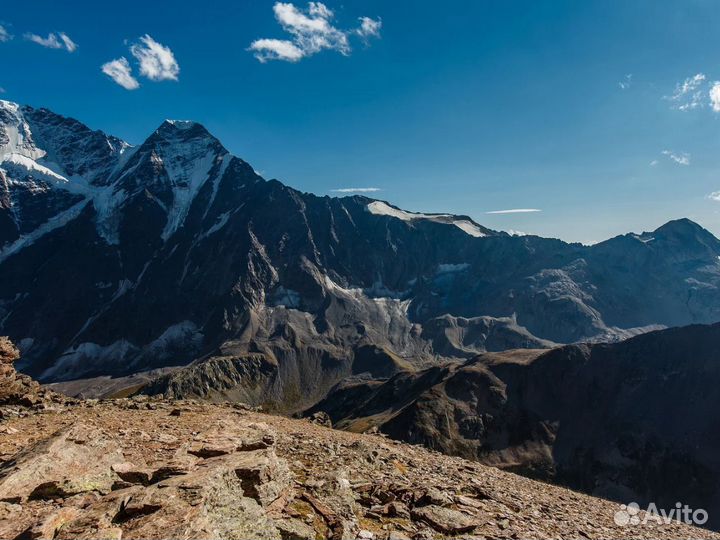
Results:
118 259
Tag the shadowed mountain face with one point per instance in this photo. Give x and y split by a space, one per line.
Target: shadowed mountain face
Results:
634 421
117 259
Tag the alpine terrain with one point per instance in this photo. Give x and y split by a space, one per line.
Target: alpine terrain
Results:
171 269
149 468
117 259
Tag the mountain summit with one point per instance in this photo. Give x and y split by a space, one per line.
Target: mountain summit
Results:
116 259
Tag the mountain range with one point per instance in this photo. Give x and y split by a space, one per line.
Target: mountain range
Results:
117 259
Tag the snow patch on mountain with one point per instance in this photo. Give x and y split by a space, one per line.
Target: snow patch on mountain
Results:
186 184
644 238
183 338
216 181
469 227
53 223
220 222
29 166
380 208
15 135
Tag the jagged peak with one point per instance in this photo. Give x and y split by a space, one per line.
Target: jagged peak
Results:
181 124
173 130
9 105
15 133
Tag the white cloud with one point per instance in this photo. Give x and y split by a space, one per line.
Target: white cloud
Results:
688 85
654 162
356 190
119 70
714 95
157 62
714 196
70 45
515 211
626 82
369 27
318 9
681 158
689 94
54 41
312 31
276 49
5 34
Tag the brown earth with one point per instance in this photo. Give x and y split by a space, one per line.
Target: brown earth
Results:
144 468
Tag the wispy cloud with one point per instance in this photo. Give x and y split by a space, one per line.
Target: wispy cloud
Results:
5 34
714 196
689 94
2 90
311 30
53 41
119 70
515 211
157 62
369 27
626 82
654 162
356 190
276 49
681 158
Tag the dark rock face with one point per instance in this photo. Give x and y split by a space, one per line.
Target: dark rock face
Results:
634 421
117 259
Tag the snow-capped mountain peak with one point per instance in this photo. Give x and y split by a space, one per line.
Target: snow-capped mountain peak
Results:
182 124
15 134
174 163
44 155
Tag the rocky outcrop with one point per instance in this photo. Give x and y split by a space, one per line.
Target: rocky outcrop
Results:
20 392
152 469
634 420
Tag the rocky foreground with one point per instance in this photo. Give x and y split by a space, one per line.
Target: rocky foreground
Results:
151 468
144 468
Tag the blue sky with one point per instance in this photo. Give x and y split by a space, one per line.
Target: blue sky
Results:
466 106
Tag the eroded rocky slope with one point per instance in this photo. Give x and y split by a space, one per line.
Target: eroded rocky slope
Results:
635 420
144 468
